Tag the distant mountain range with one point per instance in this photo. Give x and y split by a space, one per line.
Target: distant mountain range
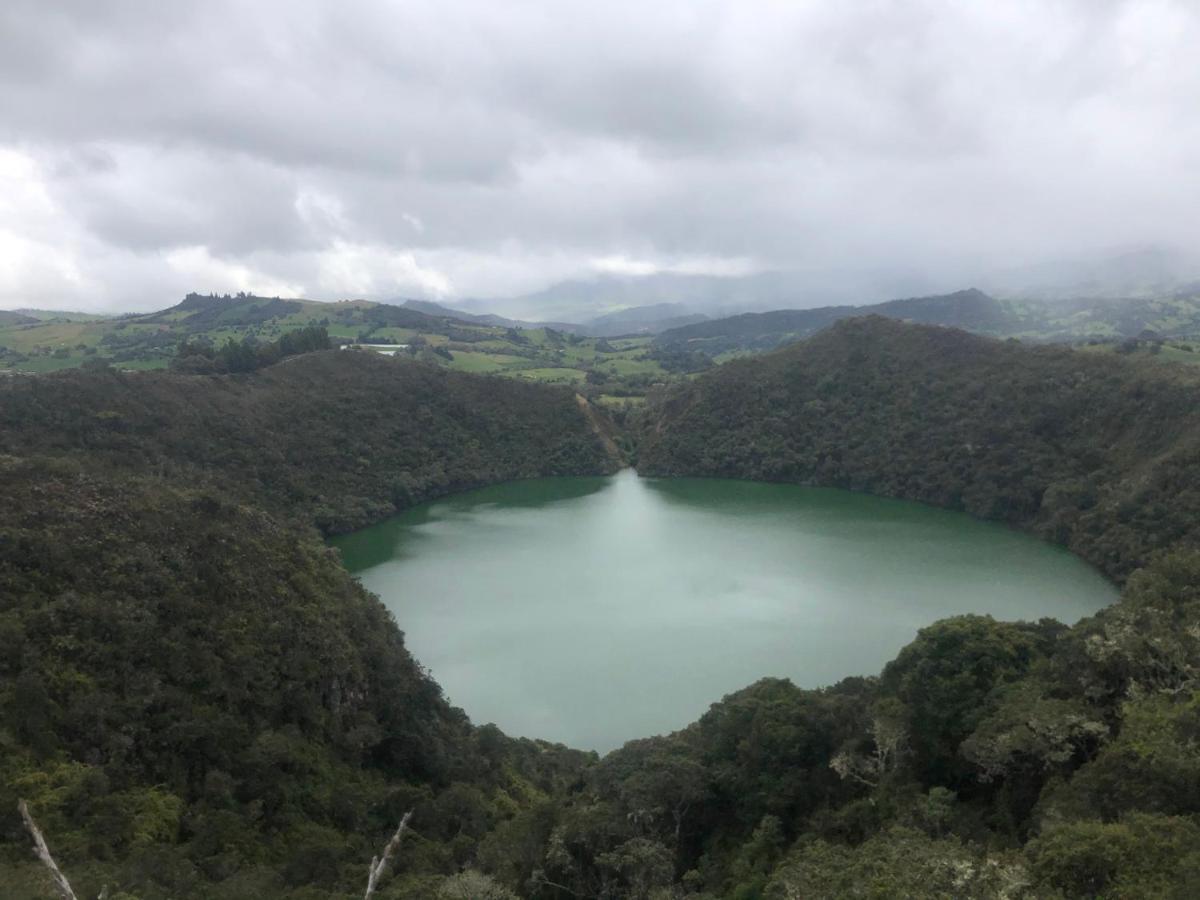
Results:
675 295
1142 272
15 317
971 310
672 336
429 308
1173 316
649 319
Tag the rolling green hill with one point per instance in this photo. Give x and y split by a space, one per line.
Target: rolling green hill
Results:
9 318
622 367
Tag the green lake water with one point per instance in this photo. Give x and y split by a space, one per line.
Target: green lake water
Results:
596 610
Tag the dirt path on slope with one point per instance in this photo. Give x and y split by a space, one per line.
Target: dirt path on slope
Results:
603 430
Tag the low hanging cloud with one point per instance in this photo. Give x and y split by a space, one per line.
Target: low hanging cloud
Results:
450 149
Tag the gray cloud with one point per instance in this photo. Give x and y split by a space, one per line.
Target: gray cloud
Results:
475 148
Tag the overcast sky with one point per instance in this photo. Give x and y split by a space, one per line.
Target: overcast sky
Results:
450 149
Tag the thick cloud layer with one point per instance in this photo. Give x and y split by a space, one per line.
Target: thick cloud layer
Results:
449 148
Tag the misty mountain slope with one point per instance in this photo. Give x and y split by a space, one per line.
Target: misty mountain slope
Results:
1095 452
486 319
648 319
10 317
582 299
436 309
969 309
642 320
1172 315
1140 272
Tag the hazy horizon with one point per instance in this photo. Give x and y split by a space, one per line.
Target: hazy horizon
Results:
458 150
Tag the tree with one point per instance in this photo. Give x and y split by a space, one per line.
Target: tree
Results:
1152 765
900 862
1140 856
1031 734
948 679
667 785
472 885
889 742
636 868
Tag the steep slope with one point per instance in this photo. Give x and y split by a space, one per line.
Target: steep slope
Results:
1094 452
342 438
197 699
989 759
199 702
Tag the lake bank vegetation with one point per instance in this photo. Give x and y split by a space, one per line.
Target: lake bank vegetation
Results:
1096 452
198 700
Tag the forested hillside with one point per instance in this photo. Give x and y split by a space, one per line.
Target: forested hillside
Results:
340 439
1095 452
989 759
198 700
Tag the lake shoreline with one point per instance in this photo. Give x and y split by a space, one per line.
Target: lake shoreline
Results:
740 551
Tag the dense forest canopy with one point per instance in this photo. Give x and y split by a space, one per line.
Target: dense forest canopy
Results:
339 438
199 701
1097 453
195 693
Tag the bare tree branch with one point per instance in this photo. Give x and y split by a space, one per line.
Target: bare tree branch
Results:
43 853
539 878
378 864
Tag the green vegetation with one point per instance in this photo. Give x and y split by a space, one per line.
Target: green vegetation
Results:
1096 452
199 702
201 357
238 333
1108 322
197 699
36 341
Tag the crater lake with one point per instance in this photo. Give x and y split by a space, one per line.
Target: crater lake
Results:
596 610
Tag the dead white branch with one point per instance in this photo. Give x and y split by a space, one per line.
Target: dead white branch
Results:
43 853
379 863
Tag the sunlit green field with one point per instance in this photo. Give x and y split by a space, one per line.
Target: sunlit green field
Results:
1167 352
553 376
484 363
